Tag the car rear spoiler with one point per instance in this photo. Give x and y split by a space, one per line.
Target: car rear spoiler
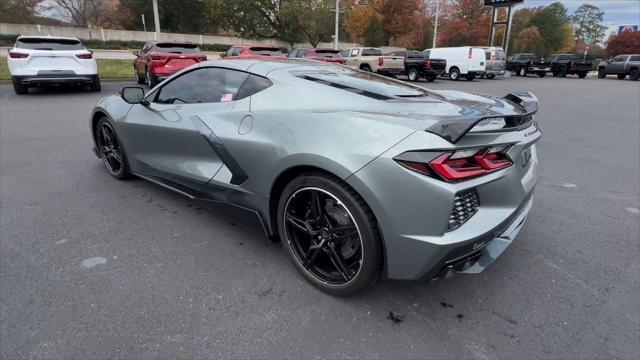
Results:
453 130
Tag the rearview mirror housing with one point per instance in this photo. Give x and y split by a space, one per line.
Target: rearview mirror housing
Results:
132 94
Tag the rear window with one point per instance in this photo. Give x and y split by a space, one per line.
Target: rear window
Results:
267 51
48 44
487 55
328 53
413 54
371 52
362 83
500 55
178 48
635 58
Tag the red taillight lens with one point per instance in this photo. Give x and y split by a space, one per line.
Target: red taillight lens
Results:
380 61
427 64
157 57
458 165
84 56
17 55
470 52
493 57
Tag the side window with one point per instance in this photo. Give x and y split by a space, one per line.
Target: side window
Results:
252 85
293 54
426 53
302 53
619 58
345 53
205 85
232 51
635 58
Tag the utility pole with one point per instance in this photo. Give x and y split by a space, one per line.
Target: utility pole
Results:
156 19
335 36
435 28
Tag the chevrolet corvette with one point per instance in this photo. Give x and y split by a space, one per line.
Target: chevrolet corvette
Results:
361 177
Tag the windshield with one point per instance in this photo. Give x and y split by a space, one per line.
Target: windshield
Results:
362 83
48 44
178 48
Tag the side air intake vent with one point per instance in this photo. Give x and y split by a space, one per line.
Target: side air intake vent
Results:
465 205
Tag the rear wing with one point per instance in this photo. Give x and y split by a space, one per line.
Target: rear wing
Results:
454 129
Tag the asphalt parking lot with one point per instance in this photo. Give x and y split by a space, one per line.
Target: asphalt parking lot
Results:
91 267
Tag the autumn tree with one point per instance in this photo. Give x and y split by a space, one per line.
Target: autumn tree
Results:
529 40
400 20
466 22
627 42
587 23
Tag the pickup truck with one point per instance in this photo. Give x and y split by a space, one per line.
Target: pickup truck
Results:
568 64
523 64
371 59
417 65
621 65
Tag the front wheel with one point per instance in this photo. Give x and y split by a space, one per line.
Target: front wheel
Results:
330 234
622 76
413 75
111 150
454 74
634 75
602 74
523 71
562 72
431 77
582 75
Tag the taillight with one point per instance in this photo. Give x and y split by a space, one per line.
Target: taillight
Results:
493 57
84 56
427 64
530 63
202 58
155 57
572 63
380 61
457 165
17 55
470 52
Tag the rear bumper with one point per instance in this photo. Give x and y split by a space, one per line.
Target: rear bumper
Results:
390 71
495 72
55 79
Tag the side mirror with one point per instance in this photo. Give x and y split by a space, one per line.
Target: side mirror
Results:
132 94
223 55
136 53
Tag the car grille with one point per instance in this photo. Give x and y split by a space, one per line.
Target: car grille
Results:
465 205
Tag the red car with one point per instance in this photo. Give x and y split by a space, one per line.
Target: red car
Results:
253 51
326 55
158 60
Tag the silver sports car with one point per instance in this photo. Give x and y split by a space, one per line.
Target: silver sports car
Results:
360 176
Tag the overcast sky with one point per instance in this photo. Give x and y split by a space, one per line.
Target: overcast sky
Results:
616 12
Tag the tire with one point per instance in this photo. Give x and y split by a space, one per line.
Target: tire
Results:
491 76
470 77
523 71
454 74
431 77
582 75
542 74
554 73
622 76
602 73
360 253
152 80
115 155
139 79
634 75
95 86
562 72
413 75
366 68
19 88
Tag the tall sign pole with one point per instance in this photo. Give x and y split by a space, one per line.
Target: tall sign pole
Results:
335 36
495 21
435 27
156 18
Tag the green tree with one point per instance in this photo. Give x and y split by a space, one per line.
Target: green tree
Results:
175 15
551 22
529 40
19 11
587 23
374 35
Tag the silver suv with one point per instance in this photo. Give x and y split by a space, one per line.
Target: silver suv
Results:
495 61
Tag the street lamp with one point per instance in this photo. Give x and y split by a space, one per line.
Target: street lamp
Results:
156 18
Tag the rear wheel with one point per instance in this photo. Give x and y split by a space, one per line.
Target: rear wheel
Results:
602 74
19 88
95 86
470 77
491 76
562 72
454 74
523 71
152 80
622 76
634 75
366 68
542 74
140 79
413 75
111 150
431 77
330 234
554 73
582 74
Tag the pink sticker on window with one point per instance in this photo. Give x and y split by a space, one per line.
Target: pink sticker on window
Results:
226 98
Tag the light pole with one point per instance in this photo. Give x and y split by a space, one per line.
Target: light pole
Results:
156 18
435 27
335 36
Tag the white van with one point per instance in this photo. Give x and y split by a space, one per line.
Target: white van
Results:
464 61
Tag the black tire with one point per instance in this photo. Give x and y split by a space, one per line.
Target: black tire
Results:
542 74
523 71
602 73
431 77
321 269
622 76
365 67
562 72
95 86
491 76
19 88
454 74
634 75
413 75
139 79
470 77
109 157
152 80
582 74
554 73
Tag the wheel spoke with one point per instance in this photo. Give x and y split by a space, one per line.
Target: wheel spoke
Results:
299 224
105 135
338 262
316 206
312 254
116 155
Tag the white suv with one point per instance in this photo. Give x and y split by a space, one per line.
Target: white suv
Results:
45 60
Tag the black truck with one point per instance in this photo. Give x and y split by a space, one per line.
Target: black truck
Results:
526 63
569 64
417 65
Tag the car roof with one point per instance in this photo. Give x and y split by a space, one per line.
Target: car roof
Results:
263 66
47 37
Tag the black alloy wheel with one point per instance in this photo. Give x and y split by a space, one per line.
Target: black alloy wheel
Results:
330 234
602 73
110 150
